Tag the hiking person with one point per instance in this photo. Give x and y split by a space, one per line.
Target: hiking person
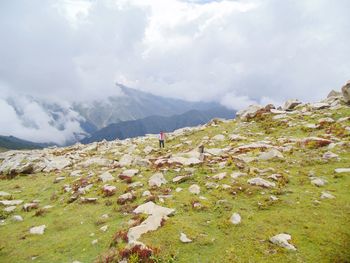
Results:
161 139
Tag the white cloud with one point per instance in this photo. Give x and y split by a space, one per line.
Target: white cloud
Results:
236 52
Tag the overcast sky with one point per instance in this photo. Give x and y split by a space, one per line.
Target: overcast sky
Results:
235 52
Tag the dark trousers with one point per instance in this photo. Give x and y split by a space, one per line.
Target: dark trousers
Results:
161 143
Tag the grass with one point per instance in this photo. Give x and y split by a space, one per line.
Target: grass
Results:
320 229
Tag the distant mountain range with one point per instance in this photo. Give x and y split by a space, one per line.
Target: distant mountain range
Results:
10 142
133 105
155 124
133 113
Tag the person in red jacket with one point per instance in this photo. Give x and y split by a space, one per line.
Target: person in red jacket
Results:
161 139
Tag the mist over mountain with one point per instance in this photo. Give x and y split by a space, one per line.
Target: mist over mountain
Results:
133 104
155 124
40 120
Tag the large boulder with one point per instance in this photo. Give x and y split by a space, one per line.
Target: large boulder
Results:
346 92
291 104
250 112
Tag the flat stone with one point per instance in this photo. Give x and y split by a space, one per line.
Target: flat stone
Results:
3 194
37 230
318 181
184 238
130 172
106 177
11 202
342 170
17 218
282 241
10 209
261 182
220 176
326 195
194 189
157 180
153 222
271 154
219 137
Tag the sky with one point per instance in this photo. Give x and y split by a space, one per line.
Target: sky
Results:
235 52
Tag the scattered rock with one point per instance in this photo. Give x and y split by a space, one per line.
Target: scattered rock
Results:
17 218
11 202
326 195
282 241
106 177
94 242
346 92
29 206
37 230
157 180
261 182
318 181
271 154
330 155
126 160
3 194
291 104
219 176
127 197
184 238
235 219
109 190
194 189
10 209
338 171
219 137
153 222
104 228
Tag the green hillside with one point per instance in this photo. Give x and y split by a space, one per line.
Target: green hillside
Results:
91 197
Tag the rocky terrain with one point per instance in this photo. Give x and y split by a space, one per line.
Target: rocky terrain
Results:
271 186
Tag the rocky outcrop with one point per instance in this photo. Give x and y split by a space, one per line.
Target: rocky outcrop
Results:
346 92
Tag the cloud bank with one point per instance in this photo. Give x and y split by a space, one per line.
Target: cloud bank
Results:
234 52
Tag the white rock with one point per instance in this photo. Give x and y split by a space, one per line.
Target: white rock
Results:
106 177
291 104
282 241
126 160
326 195
219 176
261 182
75 173
11 202
214 151
2 194
235 219
330 155
157 180
342 170
104 228
250 112
146 193
130 172
184 238
10 209
236 137
219 137
37 230
94 242
194 189
153 222
17 218
235 175
318 181
271 154
178 189
148 149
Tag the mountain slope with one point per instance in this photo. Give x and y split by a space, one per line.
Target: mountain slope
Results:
272 186
13 143
133 105
155 124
